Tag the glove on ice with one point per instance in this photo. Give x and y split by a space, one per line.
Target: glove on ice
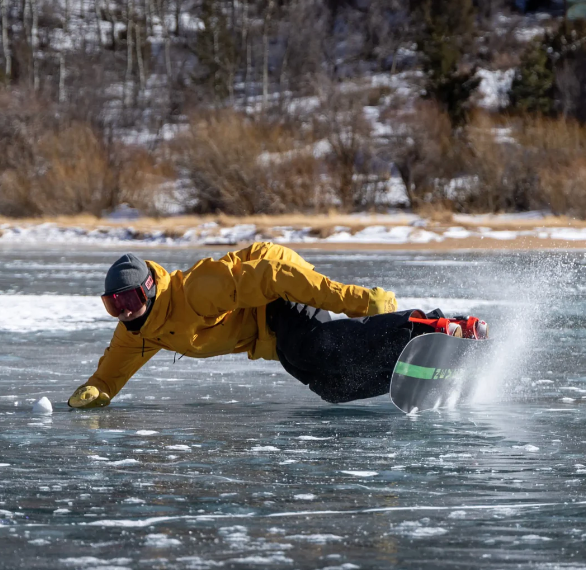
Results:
381 301
87 397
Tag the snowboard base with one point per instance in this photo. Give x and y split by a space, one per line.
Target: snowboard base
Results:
437 370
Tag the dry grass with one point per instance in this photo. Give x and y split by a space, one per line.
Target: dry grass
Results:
241 166
321 225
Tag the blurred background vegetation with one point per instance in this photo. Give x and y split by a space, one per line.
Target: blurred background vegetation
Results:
275 106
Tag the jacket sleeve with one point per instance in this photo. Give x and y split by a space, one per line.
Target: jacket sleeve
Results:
121 360
217 287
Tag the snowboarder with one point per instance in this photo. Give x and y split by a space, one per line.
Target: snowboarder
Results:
265 300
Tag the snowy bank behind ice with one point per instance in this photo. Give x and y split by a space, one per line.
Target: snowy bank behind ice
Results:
33 313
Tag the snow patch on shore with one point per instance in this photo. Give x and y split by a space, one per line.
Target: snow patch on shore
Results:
394 228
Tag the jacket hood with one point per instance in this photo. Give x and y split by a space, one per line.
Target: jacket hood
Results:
163 301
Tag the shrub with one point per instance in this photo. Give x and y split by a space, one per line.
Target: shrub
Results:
542 168
239 166
428 154
75 174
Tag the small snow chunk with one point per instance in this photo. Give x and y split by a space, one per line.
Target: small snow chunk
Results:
315 538
95 562
457 515
427 531
61 511
528 447
265 448
4 464
568 400
133 500
361 473
535 537
43 406
122 462
179 447
146 432
304 497
312 438
199 563
161 540
266 561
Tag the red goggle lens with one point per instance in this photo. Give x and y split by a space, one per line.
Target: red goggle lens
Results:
131 300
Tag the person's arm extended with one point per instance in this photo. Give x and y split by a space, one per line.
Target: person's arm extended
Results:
219 286
125 355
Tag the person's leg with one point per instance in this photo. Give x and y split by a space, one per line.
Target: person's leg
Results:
341 360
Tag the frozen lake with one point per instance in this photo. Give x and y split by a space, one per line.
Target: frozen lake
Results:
232 464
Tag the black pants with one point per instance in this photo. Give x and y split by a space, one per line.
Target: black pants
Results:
340 360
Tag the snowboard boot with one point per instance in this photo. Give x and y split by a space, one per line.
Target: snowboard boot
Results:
472 327
461 327
443 325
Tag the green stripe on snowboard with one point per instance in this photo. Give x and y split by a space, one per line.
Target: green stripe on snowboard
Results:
426 373
414 371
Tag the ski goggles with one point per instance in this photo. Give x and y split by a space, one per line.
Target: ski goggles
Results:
132 300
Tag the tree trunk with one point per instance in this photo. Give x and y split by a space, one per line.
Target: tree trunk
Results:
245 46
66 22
35 43
112 20
161 10
128 86
139 58
98 21
62 75
283 73
6 41
265 64
177 16
149 14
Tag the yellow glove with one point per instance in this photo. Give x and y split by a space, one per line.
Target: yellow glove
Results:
87 397
381 301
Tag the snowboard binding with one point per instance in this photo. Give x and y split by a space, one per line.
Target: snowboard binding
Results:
460 326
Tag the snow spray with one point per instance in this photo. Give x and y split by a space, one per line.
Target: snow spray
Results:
532 286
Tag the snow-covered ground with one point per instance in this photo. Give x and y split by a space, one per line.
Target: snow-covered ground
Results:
394 229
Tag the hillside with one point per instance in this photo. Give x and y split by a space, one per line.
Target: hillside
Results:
206 106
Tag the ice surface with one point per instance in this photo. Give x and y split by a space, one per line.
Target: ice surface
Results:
33 313
231 463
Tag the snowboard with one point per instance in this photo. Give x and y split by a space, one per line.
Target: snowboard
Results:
437 370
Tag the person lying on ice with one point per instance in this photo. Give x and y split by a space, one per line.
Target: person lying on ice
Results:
265 300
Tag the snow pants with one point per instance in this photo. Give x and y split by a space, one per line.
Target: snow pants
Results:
340 359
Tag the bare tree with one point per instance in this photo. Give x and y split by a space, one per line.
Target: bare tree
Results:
265 45
388 29
342 123
128 79
139 56
5 41
35 43
98 13
161 12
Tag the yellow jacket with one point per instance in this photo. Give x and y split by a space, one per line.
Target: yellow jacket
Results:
219 307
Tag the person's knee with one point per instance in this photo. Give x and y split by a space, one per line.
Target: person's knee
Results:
311 349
